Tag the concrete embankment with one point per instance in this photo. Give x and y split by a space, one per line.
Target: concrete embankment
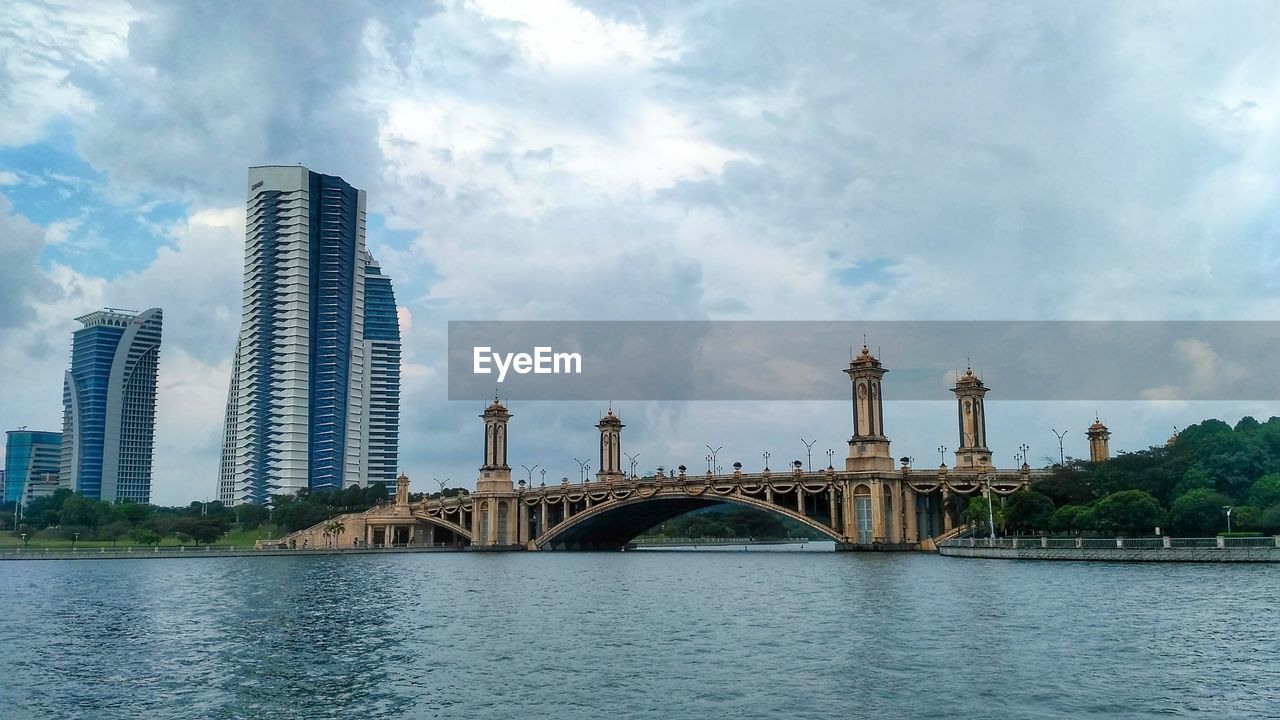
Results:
213 552
1266 550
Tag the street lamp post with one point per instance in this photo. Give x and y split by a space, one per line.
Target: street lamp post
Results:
632 459
991 515
714 451
1062 458
528 471
766 460
942 454
1228 508
808 447
582 470
1026 452
830 458
544 476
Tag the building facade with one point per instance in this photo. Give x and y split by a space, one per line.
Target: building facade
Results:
298 403
28 454
382 348
109 405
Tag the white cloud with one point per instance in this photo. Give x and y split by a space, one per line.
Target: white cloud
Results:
659 161
42 44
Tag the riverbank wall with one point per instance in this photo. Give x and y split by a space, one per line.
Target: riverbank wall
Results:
199 552
1193 550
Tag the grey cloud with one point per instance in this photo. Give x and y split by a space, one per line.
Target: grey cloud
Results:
209 88
22 283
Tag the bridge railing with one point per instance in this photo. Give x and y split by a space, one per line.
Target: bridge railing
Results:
1114 543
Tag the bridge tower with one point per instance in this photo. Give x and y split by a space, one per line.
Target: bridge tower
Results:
973 452
610 449
1098 435
868 448
494 510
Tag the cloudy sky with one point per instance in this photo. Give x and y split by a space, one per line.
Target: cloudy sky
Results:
655 160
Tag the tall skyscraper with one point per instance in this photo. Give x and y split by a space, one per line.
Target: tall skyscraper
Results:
382 347
299 409
28 454
109 405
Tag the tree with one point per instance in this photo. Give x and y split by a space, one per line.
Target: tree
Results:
44 512
77 510
1028 511
1071 519
1068 485
333 529
1266 491
251 515
978 513
1199 513
1269 520
1245 518
1129 512
201 529
144 536
114 531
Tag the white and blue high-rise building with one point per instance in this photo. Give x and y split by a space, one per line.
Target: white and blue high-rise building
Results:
382 348
300 401
109 405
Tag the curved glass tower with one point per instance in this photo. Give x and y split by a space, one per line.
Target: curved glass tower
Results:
298 401
109 405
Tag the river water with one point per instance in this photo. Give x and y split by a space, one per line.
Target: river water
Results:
636 635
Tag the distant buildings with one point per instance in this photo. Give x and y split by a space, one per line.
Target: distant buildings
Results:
109 406
313 400
40 486
28 454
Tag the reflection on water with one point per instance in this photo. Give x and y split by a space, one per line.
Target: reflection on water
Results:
637 634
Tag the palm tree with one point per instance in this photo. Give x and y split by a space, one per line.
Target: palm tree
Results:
333 529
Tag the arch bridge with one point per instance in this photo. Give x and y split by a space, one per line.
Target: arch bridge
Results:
868 504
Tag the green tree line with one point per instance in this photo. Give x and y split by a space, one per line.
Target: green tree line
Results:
1182 488
67 515
724 521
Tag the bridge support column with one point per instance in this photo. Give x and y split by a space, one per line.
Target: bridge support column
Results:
542 516
894 525
522 523
848 513
878 528
946 513
799 498
909 501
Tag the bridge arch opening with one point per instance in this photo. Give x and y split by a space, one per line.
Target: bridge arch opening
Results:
612 525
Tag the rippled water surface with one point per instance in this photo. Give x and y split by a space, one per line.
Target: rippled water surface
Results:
636 635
